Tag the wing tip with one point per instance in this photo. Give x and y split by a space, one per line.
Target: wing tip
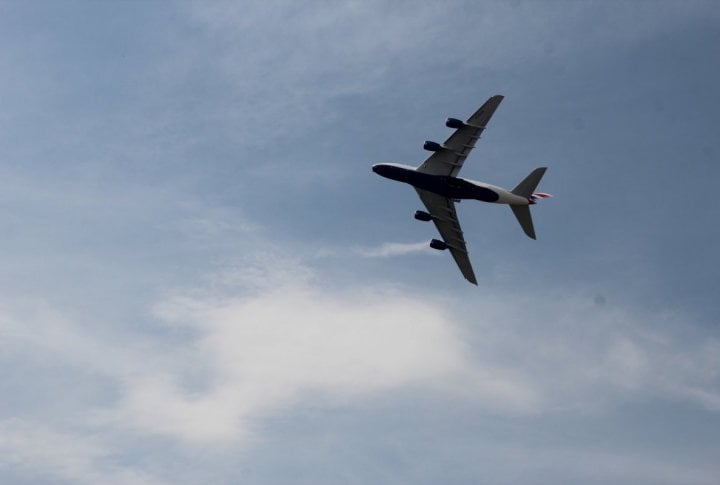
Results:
496 99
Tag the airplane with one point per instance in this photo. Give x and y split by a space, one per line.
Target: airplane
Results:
439 187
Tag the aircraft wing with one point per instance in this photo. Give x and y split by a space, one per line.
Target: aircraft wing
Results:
449 160
445 218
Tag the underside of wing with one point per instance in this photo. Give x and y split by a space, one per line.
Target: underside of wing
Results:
442 211
450 156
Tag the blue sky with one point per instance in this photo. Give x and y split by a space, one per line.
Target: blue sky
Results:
203 282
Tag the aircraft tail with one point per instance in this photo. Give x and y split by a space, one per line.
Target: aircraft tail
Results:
525 189
522 213
529 183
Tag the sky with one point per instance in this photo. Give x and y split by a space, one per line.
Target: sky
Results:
202 281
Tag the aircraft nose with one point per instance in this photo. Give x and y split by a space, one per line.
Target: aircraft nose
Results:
386 170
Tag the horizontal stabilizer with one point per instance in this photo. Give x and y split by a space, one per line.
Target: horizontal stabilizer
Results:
522 213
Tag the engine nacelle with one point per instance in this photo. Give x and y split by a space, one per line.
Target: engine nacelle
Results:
422 216
454 123
431 146
439 245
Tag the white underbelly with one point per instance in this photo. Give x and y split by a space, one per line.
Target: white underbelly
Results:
504 196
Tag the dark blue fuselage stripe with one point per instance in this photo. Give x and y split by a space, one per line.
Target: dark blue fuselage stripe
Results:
450 187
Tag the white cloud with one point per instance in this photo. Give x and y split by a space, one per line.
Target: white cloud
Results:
263 350
263 335
267 336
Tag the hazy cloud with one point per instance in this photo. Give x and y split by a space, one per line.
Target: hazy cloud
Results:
50 456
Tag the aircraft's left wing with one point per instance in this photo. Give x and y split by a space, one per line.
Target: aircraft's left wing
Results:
450 158
445 218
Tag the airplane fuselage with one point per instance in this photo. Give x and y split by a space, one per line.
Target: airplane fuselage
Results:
451 187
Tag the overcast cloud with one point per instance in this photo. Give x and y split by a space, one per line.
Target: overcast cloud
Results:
203 282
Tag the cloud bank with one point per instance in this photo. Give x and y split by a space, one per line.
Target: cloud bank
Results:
270 336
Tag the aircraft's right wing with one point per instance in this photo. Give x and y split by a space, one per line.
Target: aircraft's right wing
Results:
445 218
449 160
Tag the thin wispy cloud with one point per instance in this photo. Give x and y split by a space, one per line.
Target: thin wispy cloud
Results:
387 250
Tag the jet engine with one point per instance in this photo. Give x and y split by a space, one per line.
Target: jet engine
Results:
422 216
431 146
454 123
439 245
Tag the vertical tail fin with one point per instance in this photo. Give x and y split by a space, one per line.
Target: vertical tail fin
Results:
525 189
529 183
